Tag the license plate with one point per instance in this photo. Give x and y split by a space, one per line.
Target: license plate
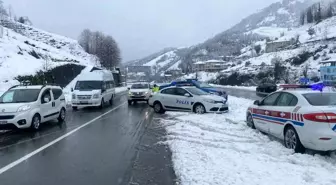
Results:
3 122
83 102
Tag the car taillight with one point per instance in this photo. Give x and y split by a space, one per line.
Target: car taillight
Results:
321 117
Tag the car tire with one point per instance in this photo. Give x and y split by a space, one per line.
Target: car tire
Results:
101 106
129 102
199 109
36 122
74 108
62 115
249 121
292 140
158 108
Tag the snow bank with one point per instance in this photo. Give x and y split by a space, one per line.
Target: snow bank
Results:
120 90
250 88
209 150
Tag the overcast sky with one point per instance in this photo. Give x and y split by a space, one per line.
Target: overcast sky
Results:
141 27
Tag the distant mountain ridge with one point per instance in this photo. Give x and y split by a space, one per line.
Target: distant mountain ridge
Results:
284 14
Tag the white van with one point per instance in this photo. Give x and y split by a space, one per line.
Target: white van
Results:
93 89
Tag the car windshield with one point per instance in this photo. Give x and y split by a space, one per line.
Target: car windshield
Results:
202 84
196 91
321 99
88 85
140 86
20 96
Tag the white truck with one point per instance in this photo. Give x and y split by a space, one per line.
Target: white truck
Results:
93 89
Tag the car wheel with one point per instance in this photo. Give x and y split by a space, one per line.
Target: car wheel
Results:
36 123
199 109
250 122
129 102
292 140
102 104
158 108
74 108
62 115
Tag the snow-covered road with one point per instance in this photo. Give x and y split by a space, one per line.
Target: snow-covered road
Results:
209 149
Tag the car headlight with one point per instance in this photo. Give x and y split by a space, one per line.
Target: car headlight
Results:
215 93
23 108
96 96
73 96
130 93
209 101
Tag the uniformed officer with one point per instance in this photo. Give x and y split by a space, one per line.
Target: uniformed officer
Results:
156 88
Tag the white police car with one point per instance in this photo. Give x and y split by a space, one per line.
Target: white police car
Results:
302 116
29 106
187 99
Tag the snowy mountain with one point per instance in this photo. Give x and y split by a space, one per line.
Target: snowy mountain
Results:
24 50
274 20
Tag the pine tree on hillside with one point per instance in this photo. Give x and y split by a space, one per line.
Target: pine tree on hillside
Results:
310 18
302 18
329 11
318 13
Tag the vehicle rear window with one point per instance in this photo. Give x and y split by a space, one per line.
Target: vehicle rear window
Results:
321 99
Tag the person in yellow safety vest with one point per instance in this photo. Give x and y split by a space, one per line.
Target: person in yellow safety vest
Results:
156 88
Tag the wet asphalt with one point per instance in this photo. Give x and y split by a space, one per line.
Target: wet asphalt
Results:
121 147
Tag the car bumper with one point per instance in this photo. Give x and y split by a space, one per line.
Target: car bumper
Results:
86 103
326 144
138 98
20 120
217 108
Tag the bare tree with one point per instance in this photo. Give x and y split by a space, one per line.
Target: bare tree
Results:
3 11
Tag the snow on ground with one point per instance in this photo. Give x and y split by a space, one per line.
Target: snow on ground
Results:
120 90
51 50
175 66
202 76
271 32
208 149
249 88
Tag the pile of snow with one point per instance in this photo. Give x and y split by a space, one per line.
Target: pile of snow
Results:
120 90
209 149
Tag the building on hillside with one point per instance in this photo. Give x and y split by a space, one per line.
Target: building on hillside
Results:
275 46
210 66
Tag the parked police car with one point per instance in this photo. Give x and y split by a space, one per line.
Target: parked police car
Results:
187 99
139 92
302 116
29 106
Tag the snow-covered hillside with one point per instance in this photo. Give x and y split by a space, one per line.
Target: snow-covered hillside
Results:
27 50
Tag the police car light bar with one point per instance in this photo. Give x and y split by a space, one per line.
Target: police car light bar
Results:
316 87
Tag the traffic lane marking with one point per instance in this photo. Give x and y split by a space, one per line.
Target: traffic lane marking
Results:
31 154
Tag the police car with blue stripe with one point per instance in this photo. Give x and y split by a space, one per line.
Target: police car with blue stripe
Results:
189 99
303 116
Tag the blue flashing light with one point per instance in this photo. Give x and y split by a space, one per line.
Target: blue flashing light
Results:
317 87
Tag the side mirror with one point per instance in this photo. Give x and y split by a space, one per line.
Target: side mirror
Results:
187 95
72 89
128 88
257 102
46 100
